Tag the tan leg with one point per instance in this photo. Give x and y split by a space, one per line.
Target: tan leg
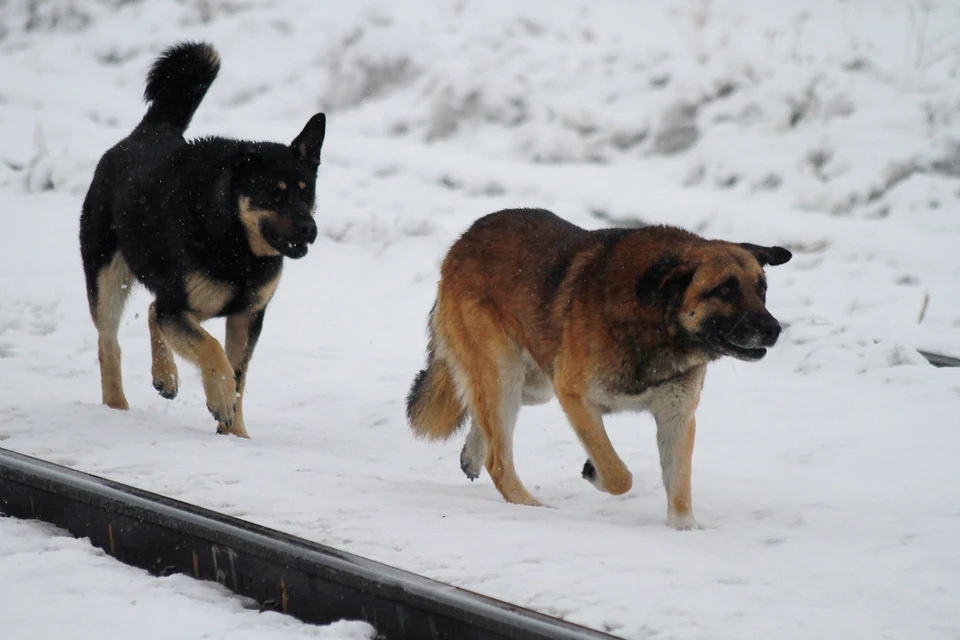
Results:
243 330
676 432
609 473
675 440
113 286
192 342
490 372
604 469
163 368
497 403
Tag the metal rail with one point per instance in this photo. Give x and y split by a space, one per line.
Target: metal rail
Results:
311 581
938 360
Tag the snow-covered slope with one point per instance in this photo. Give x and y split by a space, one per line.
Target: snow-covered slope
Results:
824 474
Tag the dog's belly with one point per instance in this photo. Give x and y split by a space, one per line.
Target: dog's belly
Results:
208 297
610 402
537 387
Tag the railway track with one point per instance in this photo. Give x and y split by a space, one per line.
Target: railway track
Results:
310 581
939 360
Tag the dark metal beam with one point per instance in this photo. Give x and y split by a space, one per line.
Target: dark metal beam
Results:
938 360
314 582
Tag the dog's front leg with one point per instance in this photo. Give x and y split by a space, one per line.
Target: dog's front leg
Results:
675 436
676 430
183 332
243 331
604 470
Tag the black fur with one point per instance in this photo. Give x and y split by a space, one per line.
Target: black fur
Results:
177 83
555 277
648 287
170 206
416 390
772 256
589 471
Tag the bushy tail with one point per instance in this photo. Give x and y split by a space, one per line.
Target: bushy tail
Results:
177 82
433 408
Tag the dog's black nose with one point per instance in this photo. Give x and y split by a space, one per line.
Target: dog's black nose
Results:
304 230
769 329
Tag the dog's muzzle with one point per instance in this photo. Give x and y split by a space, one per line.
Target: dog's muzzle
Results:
746 338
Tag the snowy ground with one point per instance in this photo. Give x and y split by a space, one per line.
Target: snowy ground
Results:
824 475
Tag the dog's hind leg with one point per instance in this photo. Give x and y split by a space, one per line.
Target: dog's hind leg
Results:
108 288
494 372
243 331
192 342
497 400
536 389
474 452
163 367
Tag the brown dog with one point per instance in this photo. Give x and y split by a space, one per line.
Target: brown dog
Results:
529 306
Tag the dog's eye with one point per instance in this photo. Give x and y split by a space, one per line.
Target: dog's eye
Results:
726 291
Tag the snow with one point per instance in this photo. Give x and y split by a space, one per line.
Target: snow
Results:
824 475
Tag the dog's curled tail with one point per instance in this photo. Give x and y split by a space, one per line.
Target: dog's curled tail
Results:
177 82
433 406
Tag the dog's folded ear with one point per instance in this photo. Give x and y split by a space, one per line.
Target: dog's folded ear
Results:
768 255
663 282
307 145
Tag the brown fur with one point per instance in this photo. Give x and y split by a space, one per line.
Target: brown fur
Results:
163 367
529 306
207 297
252 218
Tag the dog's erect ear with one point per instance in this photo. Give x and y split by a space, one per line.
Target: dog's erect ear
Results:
663 282
307 144
768 255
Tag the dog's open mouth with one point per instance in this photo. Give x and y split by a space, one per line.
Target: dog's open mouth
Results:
727 347
287 248
294 249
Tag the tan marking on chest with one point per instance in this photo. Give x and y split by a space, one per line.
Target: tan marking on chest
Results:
265 293
251 219
207 297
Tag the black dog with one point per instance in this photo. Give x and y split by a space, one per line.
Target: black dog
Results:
204 225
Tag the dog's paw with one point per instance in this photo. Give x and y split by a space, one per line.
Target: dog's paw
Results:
166 386
618 485
682 522
117 403
221 398
234 429
223 417
469 464
590 474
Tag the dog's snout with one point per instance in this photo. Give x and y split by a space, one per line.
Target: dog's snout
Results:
769 329
305 230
